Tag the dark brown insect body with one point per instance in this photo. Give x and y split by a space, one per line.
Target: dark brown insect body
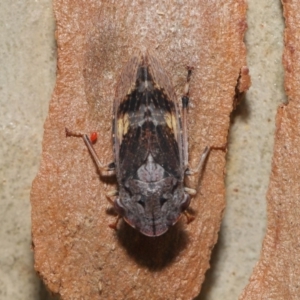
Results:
149 150
150 147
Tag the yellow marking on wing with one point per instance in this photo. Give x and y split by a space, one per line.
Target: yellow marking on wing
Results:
129 92
168 119
123 126
171 122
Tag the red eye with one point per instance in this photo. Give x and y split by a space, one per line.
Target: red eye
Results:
93 137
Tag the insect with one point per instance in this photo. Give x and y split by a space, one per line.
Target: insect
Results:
150 148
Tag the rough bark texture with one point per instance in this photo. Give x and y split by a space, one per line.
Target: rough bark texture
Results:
276 276
76 253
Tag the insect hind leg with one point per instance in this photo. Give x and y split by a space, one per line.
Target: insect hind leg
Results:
201 163
185 102
104 169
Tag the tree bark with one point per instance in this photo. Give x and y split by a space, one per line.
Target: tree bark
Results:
77 255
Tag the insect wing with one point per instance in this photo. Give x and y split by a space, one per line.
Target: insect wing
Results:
146 118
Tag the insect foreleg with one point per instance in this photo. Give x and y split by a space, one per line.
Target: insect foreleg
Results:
115 224
189 217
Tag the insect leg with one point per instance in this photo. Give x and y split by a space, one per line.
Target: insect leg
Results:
115 224
111 194
185 102
102 168
201 163
190 191
189 217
